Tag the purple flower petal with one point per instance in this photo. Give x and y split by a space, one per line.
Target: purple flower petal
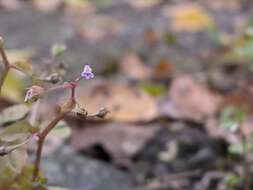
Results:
87 72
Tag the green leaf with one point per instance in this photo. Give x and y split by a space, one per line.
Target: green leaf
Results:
153 89
13 88
231 118
7 148
24 180
13 113
24 65
237 149
17 132
232 181
11 166
58 49
245 50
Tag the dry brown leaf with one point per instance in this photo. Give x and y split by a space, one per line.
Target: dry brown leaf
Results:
188 17
134 68
163 69
125 102
122 142
189 99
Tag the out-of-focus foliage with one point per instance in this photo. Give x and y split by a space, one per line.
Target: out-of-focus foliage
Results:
13 87
231 118
13 113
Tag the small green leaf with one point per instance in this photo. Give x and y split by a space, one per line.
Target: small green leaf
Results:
237 149
18 131
58 49
24 65
13 113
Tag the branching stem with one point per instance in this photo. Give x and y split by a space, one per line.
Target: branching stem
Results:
42 136
7 67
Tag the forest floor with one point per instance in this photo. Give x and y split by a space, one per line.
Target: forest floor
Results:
167 71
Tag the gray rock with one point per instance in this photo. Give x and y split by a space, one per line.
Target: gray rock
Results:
67 169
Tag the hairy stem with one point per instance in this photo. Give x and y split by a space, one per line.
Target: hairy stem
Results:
42 136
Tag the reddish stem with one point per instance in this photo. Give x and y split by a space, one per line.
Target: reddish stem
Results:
42 136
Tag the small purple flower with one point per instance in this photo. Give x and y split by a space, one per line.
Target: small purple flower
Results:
87 72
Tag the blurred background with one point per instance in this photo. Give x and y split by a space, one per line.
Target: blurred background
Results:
176 76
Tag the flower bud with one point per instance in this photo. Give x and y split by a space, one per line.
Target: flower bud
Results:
34 93
102 113
80 112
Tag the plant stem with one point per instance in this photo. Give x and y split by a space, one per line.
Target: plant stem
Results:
42 136
245 164
4 57
7 67
246 168
3 77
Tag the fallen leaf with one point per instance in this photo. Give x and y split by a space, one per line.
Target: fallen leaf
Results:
162 70
132 66
188 17
121 141
189 99
126 103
